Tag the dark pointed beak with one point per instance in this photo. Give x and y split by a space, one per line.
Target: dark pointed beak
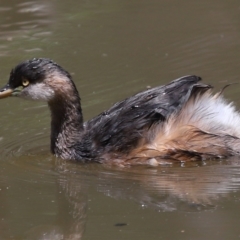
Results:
6 91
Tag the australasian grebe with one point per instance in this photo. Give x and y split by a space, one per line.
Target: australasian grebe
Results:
182 120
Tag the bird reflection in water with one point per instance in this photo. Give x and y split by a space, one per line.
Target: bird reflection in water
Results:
193 187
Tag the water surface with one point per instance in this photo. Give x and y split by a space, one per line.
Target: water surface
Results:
114 49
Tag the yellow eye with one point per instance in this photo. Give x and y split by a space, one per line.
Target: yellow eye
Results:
25 82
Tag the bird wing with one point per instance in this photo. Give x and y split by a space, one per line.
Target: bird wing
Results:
124 125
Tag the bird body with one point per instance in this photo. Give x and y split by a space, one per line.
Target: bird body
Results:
180 121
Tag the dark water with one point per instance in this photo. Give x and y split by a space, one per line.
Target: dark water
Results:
114 49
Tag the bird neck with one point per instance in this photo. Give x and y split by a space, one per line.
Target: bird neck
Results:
66 125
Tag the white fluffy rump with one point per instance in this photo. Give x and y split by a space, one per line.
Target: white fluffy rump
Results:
210 113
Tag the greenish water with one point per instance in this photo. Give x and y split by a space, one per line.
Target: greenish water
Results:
114 49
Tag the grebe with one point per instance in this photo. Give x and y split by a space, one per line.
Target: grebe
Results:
181 121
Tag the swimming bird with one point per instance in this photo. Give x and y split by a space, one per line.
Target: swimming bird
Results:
180 121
